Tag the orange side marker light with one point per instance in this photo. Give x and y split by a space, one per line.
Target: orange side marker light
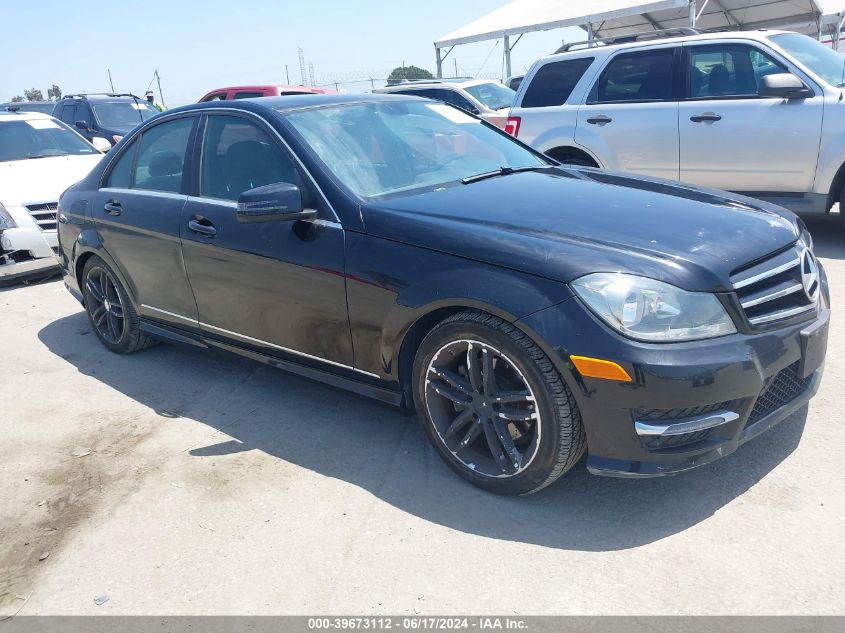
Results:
598 368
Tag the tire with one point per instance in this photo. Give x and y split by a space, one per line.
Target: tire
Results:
469 419
110 311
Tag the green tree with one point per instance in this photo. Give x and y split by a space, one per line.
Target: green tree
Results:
33 94
54 93
17 99
408 72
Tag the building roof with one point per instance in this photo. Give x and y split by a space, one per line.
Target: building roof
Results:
611 18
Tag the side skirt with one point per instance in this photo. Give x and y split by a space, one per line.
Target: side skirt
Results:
172 335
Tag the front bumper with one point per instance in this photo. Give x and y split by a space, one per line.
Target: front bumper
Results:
38 243
689 403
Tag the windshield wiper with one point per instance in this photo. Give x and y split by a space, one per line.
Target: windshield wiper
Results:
502 171
49 155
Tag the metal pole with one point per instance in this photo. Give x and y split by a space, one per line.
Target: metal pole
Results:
439 63
507 56
160 95
287 74
693 13
111 83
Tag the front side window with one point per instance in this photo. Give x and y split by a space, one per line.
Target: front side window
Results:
238 155
69 113
162 152
117 114
39 138
453 97
728 70
386 148
554 82
83 113
492 94
220 96
640 76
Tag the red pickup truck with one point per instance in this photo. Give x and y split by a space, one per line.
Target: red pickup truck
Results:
248 92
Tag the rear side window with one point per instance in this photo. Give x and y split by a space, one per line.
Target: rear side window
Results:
640 76
161 156
247 94
554 82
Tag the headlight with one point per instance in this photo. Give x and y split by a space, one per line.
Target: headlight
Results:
650 310
6 221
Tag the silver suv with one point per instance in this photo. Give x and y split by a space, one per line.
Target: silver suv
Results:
760 112
488 99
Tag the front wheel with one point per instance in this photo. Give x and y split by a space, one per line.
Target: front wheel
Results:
111 313
494 406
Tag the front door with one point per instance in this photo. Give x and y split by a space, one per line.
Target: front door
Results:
630 118
275 286
731 138
139 214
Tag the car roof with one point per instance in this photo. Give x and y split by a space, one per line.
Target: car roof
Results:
606 49
23 115
431 83
103 98
292 102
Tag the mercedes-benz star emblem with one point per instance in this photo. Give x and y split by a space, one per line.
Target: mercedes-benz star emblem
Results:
810 275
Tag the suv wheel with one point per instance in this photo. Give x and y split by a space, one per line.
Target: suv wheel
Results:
110 311
493 405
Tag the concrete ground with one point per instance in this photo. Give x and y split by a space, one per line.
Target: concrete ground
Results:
176 481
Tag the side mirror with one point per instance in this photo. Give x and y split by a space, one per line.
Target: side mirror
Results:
784 86
101 144
82 125
279 202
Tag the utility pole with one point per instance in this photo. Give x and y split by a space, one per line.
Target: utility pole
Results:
110 81
302 67
287 75
455 59
311 74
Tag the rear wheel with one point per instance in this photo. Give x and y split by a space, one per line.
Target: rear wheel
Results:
112 316
493 405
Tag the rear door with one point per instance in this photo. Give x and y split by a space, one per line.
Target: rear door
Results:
276 286
139 212
630 117
731 137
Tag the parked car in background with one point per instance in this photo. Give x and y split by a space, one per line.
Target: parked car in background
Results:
403 249
757 112
45 107
514 82
103 116
40 157
488 99
250 92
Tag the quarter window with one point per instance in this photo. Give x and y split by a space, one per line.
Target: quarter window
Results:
553 83
121 174
728 70
640 76
238 155
162 151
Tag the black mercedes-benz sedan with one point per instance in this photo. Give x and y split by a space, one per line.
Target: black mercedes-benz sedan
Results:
398 247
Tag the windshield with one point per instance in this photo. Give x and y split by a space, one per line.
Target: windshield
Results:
825 62
382 148
495 96
123 113
39 138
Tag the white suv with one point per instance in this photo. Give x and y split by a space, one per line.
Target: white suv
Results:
761 113
40 157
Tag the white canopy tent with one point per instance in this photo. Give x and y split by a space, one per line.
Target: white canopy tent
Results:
611 18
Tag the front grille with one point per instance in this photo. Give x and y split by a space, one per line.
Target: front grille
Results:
781 389
44 215
774 289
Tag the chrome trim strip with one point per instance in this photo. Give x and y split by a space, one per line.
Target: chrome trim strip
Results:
145 192
173 314
686 425
286 349
217 201
771 297
258 340
782 314
769 273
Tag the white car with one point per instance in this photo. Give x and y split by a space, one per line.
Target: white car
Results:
40 157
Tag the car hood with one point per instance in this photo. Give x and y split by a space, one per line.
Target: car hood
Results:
565 223
44 179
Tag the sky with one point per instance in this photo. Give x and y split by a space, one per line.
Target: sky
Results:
198 46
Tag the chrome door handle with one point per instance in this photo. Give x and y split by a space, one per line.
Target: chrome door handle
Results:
707 116
202 226
599 120
112 207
